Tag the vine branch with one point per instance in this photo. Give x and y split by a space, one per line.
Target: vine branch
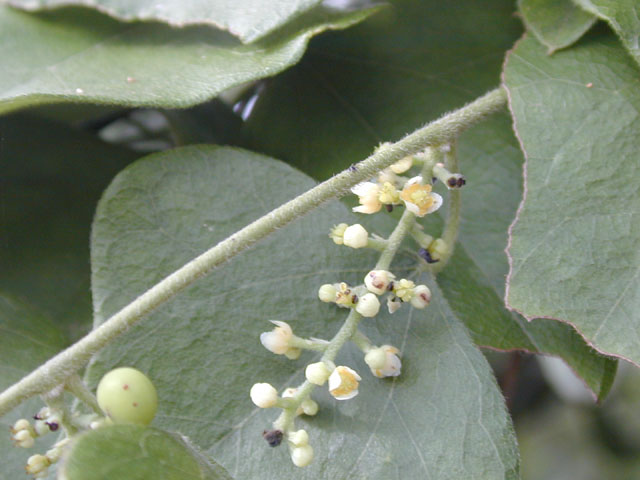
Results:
58 369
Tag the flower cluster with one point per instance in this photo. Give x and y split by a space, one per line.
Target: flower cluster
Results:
23 434
363 301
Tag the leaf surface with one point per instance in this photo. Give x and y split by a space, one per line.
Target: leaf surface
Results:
76 55
247 19
574 246
134 452
624 18
555 23
442 418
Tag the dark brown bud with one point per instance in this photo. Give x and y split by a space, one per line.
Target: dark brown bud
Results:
273 437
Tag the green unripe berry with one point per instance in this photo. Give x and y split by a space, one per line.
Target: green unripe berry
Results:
126 395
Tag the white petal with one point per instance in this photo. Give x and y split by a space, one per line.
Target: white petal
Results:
347 396
334 380
286 328
274 342
437 203
412 207
369 208
414 180
364 188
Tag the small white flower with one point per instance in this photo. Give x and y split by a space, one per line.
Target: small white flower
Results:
263 395
421 296
356 236
41 427
368 193
22 424
368 305
419 199
277 340
393 303
384 361
309 407
317 373
37 464
343 383
302 456
327 293
299 438
377 281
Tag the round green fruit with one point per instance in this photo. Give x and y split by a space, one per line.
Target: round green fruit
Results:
126 395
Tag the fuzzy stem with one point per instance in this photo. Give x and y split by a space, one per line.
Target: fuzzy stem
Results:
59 368
307 344
76 386
452 226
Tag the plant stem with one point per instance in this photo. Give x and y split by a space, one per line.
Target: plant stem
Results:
452 226
395 239
76 386
59 368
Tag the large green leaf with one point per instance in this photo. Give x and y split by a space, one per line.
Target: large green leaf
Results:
247 19
356 90
555 23
76 55
474 280
442 418
624 18
134 452
28 337
52 177
574 246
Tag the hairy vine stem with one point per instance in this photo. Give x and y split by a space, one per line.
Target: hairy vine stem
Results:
58 369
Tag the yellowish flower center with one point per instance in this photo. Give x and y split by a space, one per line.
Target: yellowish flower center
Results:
404 289
419 195
348 383
389 194
345 296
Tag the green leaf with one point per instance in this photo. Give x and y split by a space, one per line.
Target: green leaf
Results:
28 338
52 178
555 23
474 280
247 19
574 245
356 91
624 18
76 55
442 418
134 452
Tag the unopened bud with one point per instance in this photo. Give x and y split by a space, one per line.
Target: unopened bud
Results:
355 236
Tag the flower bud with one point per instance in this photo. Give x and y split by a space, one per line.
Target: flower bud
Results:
368 305
317 373
302 456
264 395
343 383
41 427
384 361
377 281
37 464
402 165
22 424
421 296
355 236
299 438
277 340
309 407
23 438
293 353
327 293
